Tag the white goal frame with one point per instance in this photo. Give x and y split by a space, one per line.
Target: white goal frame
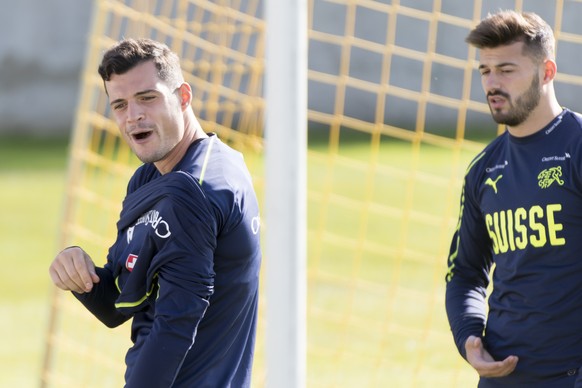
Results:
286 192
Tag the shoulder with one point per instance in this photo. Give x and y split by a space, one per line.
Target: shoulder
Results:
573 114
216 166
489 152
568 133
222 155
181 185
574 119
181 196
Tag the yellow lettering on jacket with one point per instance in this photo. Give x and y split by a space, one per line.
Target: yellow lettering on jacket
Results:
510 230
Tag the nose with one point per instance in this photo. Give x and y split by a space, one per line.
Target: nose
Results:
490 82
134 112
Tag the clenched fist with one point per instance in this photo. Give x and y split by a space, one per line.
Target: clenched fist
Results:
73 270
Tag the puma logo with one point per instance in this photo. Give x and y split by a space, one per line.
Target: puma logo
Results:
493 183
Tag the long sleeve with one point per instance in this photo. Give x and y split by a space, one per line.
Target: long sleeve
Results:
467 279
520 210
101 300
172 242
185 283
178 314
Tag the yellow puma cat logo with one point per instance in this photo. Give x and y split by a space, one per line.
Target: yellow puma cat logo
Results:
493 183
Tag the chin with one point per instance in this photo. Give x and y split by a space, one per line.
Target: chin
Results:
499 118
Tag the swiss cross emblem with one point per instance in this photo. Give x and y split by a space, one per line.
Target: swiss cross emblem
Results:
130 262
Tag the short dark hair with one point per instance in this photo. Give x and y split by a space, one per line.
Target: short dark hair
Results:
508 27
128 53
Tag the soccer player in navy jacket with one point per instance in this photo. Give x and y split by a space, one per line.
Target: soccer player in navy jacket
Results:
521 218
185 265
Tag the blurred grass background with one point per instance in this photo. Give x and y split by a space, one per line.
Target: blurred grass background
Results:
32 179
376 315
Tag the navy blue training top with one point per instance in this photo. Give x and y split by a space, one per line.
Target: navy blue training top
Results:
185 266
521 214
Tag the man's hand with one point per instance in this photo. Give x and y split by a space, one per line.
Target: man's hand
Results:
73 270
482 361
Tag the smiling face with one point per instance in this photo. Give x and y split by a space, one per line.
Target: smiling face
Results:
511 81
149 112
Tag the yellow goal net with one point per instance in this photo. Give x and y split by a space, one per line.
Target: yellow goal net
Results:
395 112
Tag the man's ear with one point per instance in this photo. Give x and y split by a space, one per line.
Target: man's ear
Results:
550 70
185 94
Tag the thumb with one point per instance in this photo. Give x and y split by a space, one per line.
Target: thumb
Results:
94 276
474 342
91 267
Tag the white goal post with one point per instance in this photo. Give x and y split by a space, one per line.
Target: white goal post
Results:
285 192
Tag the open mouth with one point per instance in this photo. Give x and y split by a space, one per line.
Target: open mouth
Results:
141 135
497 97
496 101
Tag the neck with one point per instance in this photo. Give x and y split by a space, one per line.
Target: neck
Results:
544 113
192 132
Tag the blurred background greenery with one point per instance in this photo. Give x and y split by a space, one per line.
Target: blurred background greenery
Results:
32 177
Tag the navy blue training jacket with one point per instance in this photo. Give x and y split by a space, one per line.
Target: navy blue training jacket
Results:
185 267
521 215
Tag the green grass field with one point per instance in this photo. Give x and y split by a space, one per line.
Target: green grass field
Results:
32 173
377 250
386 327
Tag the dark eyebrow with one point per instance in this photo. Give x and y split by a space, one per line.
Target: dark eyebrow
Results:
503 64
148 91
